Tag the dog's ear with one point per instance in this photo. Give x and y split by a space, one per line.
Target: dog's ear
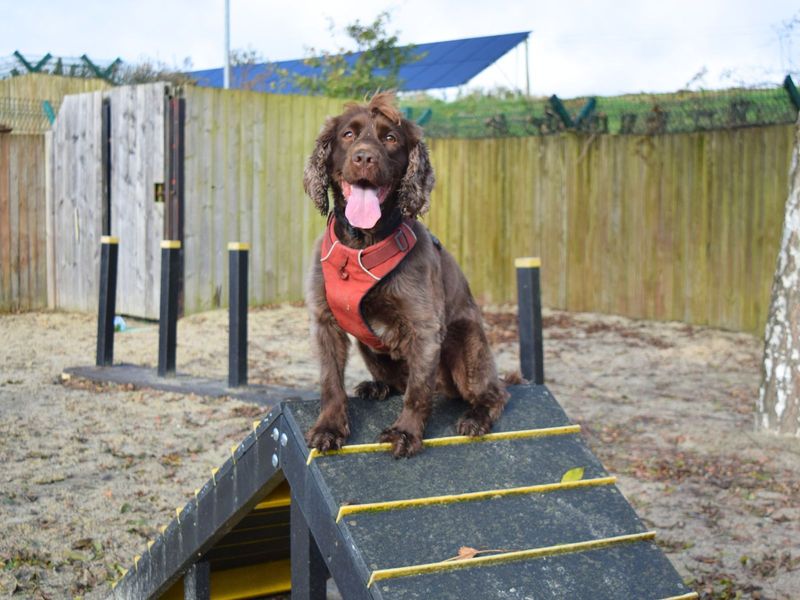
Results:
315 177
415 188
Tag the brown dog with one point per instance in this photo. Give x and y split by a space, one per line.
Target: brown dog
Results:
417 324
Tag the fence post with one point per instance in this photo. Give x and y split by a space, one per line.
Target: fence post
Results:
109 247
529 302
237 313
168 315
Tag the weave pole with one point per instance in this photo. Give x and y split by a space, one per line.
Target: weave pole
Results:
109 250
237 313
168 315
529 302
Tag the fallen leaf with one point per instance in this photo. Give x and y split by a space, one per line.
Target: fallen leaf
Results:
466 553
575 474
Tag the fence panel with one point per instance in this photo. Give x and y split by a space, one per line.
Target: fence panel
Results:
245 153
676 227
23 264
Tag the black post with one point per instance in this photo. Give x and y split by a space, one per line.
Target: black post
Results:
309 573
109 247
168 317
529 299
197 582
237 314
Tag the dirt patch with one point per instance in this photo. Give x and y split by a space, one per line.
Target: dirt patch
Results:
91 472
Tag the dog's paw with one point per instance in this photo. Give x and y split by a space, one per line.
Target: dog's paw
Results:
404 444
326 438
474 423
373 390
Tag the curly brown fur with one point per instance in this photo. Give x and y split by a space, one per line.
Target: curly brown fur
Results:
423 311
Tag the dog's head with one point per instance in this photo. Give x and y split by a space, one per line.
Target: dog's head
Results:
374 160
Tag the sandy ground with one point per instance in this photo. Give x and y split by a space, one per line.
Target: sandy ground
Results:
90 473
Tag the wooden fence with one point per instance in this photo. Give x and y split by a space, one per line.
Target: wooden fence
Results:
43 86
245 153
76 196
678 227
23 265
22 98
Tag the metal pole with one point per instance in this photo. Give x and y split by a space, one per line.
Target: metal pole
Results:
108 298
226 71
237 314
168 317
529 301
527 68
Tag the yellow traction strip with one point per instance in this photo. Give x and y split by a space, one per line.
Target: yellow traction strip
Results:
350 509
528 262
449 441
689 596
452 565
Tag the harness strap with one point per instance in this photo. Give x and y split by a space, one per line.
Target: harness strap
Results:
350 273
400 243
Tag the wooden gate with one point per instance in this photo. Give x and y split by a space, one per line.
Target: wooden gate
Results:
113 186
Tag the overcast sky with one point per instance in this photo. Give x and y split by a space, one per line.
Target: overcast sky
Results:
577 48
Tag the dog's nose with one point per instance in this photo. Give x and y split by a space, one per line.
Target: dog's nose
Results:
363 157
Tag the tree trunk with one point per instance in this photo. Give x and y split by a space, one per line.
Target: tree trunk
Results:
779 396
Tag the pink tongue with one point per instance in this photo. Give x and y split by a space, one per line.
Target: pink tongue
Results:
363 207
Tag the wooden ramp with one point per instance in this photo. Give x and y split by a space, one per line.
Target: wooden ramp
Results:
467 518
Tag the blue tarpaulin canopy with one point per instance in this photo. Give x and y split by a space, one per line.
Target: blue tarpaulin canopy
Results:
440 65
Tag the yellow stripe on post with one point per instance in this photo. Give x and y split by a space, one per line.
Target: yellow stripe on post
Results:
452 440
529 262
452 565
171 244
109 239
350 509
238 246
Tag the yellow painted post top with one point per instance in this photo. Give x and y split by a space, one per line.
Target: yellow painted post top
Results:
238 246
171 244
529 262
109 239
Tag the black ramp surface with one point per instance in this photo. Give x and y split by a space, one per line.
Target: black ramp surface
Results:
508 523
577 540
630 571
530 407
490 465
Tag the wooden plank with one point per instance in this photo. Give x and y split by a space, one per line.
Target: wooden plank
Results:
6 298
14 226
49 224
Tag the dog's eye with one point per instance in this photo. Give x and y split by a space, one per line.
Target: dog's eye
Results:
348 135
391 138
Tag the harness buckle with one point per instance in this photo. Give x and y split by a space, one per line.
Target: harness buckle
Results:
400 240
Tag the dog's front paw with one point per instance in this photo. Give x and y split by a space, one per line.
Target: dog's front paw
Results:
404 444
324 437
373 390
475 422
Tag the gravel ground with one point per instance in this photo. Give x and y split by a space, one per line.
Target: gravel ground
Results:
91 472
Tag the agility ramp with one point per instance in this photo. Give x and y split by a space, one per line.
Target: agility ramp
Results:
467 518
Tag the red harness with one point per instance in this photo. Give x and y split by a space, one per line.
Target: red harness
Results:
349 274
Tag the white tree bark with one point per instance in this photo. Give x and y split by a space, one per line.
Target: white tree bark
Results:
779 397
